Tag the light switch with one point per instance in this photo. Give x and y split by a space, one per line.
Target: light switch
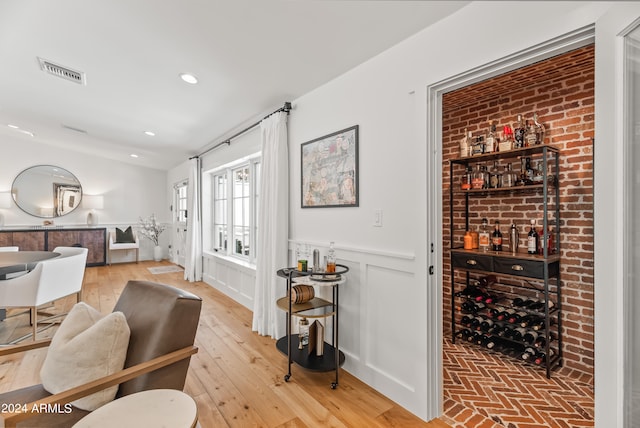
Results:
377 218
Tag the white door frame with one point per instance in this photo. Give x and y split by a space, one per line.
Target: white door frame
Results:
567 42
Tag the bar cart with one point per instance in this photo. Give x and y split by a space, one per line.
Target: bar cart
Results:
331 358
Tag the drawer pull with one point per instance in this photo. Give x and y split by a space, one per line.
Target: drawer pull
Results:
517 267
472 262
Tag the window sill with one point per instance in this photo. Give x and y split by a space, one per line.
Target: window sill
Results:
230 259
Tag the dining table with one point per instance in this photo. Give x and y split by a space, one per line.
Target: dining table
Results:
20 261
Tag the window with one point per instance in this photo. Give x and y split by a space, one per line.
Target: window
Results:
235 207
181 202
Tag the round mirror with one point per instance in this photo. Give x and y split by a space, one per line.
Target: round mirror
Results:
46 191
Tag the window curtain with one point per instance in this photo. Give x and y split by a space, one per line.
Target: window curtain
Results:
273 226
193 256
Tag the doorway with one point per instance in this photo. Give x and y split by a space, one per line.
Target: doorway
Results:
436 139
180 214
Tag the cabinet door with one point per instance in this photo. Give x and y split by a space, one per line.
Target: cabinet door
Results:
6 239
29 241
91 239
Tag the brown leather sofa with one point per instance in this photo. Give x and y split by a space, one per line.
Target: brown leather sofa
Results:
163 321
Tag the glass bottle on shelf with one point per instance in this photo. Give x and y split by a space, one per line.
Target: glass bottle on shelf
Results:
496 239
477 178
506 143
465 179
531 136
303 332
532 239
495 176
478 146
519 131
540 130
510 177
490 141
538 172
484 239
465 141
485 172
331 258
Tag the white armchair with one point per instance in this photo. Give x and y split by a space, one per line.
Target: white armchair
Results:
116 246
49 281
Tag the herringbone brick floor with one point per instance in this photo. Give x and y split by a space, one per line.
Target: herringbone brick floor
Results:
485 389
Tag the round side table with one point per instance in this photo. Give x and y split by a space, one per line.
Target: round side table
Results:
147 409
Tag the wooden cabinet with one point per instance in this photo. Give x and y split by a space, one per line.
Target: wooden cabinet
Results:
94 239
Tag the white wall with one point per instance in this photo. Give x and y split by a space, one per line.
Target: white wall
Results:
385 301
129 191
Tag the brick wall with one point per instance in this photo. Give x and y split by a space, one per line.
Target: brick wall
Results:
561 91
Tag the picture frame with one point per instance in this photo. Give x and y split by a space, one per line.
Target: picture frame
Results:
329 170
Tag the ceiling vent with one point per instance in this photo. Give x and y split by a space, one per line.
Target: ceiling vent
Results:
63 72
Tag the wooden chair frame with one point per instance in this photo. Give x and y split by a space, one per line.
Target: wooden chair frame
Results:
12 419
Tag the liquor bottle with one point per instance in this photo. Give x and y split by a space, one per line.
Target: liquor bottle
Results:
478 146
530 136
484 239
302 257
465 179
331 259
519 131
496 239
540 130
490 141
477 178
464 144
538 172
486 177
495 176
303 332
468 241
506 143
514 238
510 177
532 239
475 240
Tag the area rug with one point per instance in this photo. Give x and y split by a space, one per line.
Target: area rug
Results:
164 269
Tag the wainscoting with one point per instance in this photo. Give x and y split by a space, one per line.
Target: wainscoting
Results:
381 315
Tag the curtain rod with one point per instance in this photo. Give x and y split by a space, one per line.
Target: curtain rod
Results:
285 108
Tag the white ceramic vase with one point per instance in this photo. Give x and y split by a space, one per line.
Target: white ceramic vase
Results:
157 253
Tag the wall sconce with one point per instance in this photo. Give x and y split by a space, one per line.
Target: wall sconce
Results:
5 203
93 202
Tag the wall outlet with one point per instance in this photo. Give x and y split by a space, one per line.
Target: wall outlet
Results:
377 218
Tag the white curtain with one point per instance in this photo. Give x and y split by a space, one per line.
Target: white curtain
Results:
193 256
273 226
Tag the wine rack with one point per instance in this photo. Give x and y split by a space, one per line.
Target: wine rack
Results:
511 277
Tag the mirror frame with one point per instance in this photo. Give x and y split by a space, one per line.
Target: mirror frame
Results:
65 187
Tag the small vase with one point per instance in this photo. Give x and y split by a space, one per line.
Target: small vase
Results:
157 253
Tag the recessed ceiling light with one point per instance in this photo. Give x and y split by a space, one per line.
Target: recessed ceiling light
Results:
150 133
133 155
13 126
24 131
189 78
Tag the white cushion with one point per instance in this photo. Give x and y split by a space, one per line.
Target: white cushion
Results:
87 346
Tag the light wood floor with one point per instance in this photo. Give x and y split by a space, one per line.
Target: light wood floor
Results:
236 377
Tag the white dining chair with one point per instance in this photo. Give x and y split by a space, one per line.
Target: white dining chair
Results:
49 281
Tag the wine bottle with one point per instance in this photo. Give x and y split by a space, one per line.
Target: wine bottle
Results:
466 320
475 323
532 239
463 334
486 324
506 314
516 317
541 357
530 337
528 354
518 334
496 239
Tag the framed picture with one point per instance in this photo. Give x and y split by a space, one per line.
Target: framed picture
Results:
329 170
65 198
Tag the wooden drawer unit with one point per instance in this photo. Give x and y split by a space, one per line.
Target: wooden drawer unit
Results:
94 239
528 268
471 260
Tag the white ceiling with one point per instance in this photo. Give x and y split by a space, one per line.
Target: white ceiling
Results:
249 55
